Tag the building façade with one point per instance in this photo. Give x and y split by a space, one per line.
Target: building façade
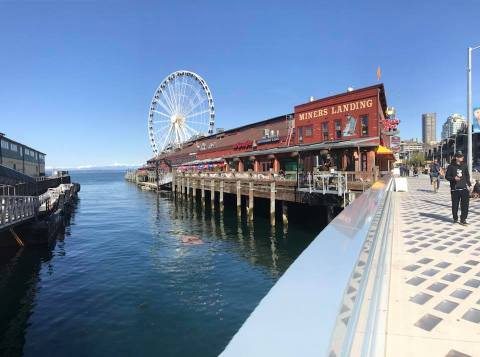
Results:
20 157
343 130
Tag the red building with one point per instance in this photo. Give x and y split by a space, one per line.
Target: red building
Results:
343 131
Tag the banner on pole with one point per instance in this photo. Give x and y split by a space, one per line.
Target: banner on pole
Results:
476 119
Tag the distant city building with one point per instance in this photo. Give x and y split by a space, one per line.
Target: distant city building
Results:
453 125
429 128
21 158
408 147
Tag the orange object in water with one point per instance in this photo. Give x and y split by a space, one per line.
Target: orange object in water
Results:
192 240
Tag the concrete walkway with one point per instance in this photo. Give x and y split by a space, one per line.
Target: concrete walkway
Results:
434 300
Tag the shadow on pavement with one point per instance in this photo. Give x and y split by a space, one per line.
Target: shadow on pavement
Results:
436 216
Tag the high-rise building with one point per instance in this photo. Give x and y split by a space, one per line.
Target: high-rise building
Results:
453 125
429 128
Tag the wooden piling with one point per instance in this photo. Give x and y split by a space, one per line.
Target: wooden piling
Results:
284 212
239 199
250 200
272 203
173 183
212 193
220 199
17 238
194 189
330 213
202 183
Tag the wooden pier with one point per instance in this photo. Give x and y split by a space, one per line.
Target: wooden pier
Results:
27 211
257 185
330 189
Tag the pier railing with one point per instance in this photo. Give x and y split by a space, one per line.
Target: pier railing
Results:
330 300
34 188
16 209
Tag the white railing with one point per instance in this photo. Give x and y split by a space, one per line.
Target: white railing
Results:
7 190
14 209
330 299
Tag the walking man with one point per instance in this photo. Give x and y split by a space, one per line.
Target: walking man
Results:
457 174
435 172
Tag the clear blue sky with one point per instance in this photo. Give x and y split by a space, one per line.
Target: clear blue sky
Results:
76 78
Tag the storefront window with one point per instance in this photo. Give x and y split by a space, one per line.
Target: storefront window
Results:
266 165
325 130
300 134
289 168
308 131
338 129
364 119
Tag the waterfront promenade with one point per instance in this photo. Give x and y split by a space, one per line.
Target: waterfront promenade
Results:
434 297
407 283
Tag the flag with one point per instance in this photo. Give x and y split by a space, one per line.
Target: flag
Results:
379 73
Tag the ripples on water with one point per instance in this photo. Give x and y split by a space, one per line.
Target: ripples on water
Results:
122 283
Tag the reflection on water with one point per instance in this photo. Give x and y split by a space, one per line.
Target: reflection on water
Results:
123 282
19 275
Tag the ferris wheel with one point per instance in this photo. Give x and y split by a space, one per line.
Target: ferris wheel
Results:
181 110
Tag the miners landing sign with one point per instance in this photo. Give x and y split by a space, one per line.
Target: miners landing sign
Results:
336 109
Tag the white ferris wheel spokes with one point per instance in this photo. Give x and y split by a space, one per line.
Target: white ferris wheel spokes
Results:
182 109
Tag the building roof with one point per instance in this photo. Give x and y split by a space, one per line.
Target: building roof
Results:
329 145
2 136
230 137
380 87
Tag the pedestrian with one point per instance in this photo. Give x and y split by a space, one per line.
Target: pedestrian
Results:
435 172
459 177
476 189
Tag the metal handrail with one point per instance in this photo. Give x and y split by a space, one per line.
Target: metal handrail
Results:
379 241
14 209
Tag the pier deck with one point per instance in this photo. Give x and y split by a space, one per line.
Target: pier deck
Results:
434 299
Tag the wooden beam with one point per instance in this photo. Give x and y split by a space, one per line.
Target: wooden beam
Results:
250 201
239 198
17 238
212 192
272 203
220 199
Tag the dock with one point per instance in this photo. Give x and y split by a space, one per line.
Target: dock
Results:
26 202
334 190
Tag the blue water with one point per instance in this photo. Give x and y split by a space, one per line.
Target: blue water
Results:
120 282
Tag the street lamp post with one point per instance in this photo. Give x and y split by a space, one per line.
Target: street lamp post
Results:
441 153
469 108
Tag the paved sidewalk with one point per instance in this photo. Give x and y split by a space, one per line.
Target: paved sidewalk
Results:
434 302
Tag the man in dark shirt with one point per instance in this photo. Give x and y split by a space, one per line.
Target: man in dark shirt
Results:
435 172
457 174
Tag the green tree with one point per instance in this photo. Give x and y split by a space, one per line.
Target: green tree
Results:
416 159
